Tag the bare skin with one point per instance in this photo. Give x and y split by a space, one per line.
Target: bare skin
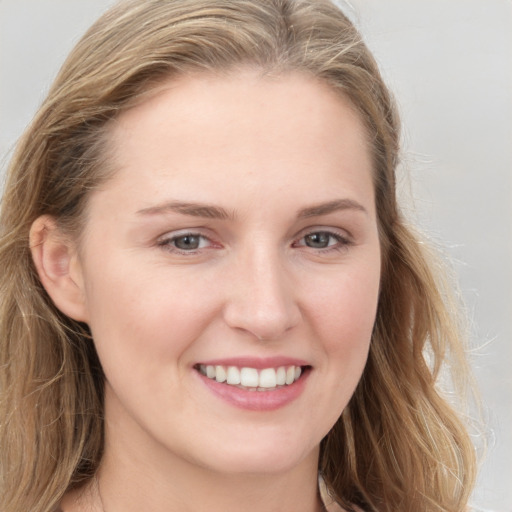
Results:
240 224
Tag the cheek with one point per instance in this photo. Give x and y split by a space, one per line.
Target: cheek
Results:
345 311
344 317
143 316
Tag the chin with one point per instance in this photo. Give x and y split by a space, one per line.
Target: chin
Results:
255 456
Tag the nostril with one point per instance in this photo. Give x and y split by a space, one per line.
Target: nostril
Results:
261 298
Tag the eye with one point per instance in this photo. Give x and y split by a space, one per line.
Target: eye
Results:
322 240
186 242
319 240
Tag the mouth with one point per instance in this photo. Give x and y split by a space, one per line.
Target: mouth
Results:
253 379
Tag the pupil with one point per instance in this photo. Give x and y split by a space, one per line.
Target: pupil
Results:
317 240
187 242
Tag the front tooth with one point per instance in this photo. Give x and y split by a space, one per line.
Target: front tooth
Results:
290 374
233 376
220 374
268 378
210 371
281 376
249 377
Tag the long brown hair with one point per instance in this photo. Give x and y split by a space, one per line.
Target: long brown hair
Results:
398 446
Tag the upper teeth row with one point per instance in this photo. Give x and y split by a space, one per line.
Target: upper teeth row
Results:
251 377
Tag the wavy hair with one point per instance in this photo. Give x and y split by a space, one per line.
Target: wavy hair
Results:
398 445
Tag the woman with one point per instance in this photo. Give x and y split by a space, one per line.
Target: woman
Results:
210 298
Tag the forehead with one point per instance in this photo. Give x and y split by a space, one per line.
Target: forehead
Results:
241 97
246 127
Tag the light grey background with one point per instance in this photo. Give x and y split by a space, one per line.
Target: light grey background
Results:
449 63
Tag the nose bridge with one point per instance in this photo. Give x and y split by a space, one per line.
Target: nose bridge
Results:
262 301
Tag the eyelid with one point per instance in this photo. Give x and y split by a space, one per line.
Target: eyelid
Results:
334 231
342 236
165 241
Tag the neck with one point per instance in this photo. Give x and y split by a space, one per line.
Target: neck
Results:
185 489
140 474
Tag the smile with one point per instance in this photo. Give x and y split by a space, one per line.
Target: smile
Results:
252 379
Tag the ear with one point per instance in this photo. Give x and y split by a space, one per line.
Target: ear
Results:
59 269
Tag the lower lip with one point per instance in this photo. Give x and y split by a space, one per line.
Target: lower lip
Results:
257 400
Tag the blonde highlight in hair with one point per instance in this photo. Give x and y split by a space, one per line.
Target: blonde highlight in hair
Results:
398 446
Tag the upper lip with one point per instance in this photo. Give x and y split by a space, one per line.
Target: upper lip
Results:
258 363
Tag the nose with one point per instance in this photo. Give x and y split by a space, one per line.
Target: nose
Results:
262 300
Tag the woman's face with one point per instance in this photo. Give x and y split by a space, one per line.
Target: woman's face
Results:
237 240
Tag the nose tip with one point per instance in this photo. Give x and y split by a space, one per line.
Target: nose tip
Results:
262 302
264 323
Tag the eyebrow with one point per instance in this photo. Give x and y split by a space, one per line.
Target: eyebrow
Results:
185 208
208 211
330 207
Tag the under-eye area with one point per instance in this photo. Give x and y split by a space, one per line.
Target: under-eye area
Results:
252 379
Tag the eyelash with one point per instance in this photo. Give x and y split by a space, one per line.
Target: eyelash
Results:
169 243
341 242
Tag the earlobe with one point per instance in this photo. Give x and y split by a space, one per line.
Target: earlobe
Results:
57 265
